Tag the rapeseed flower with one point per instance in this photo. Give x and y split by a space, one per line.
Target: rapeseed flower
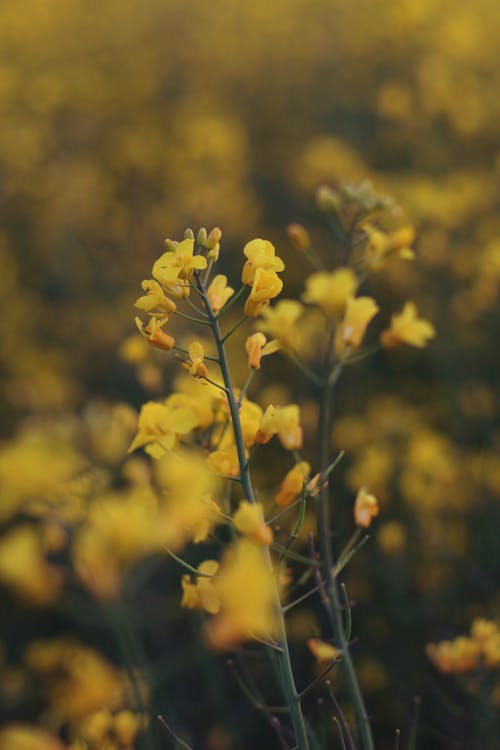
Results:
382 245
407 328
330 290
202 594
196 365
249 521
258 346
246 586
219 292
260 254
293 484
155 334
178 265
155 300
284 422
280 321
160 426
266 285
359 311
365 508
323 651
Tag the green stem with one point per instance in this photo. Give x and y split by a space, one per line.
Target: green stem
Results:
234 328
191 317
283 657
333 605
305 369
232 300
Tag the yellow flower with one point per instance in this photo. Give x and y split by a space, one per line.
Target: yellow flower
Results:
391 538
365 508
134 350
359 311
330 290
27 737
178 265
23 567
293 483
202 594
459 655
250 416
382 246
155 300
266 285
257 346
323 651
188 511
224 462
126 726
407 328
299 237
155 334
219 292
160 426
280 321
247 588
80 680
285 422
212 244
196 365
249 521
260 254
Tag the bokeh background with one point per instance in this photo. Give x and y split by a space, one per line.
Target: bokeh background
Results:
123 123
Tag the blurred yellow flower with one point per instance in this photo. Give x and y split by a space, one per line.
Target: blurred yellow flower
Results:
323 651
407 328
266 285
203 593
280 321
365 508
219 292
260 254
382 246
460 655
27 737
249 521
23 567
160 426
292 485
330 290
247 586
79 680
359 311
391 537
284 422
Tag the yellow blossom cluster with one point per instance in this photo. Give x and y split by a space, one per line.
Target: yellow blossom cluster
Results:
468 653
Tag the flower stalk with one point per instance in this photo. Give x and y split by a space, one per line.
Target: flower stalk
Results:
282 653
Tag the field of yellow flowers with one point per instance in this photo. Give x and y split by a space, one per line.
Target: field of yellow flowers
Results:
250 453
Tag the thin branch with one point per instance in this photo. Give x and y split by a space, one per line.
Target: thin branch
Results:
302 598
173 734
190 317
240 322
186 565
231 301
318 679
345 725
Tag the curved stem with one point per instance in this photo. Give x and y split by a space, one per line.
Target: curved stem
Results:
333 603
283 656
